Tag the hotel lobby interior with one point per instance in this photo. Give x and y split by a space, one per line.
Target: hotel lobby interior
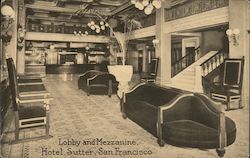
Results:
124 78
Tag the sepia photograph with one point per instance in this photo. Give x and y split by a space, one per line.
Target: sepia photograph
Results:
124 78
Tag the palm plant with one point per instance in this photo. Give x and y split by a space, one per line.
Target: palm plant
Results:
130 24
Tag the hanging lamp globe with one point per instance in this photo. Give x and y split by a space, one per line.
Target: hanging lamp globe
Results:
7 10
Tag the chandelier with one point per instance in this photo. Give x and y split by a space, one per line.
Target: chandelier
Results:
147 5
98 27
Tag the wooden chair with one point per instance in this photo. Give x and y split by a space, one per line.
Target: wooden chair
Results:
27 80
231 86
27 86
151 75
30 110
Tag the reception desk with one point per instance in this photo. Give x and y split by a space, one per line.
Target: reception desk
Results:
74 68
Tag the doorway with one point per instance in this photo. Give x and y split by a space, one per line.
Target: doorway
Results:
140 61
189 43
191 57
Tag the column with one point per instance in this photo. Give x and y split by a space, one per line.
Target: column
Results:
241 8
21 52
163 49
11 48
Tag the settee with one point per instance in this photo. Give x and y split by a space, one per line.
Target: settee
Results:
97 82
179 118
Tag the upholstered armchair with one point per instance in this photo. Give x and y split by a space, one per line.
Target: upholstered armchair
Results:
97 82
82 81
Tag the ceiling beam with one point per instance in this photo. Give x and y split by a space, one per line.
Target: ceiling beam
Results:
121 8
59 37
112 3
191 34
51 8
61 9
56 19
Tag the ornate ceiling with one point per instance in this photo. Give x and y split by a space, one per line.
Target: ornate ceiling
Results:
105 7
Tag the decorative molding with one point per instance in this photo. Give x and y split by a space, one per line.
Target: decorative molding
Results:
194 7
210 18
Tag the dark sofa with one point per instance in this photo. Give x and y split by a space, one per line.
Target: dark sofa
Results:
97 82
179 118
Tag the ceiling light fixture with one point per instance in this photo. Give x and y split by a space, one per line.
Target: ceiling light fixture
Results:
94 26
147 5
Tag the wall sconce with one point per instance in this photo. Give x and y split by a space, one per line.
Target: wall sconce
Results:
52 46
20 37
8 17
156 42
8 11
233 36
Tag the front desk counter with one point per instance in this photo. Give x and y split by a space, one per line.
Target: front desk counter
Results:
74 68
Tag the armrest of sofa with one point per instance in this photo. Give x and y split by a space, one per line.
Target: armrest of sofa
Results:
134 92
192 107
103 79
82 81
152 94
90 73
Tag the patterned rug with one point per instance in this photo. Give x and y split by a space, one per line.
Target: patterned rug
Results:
92 127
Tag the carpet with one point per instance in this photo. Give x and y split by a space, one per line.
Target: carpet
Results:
92 127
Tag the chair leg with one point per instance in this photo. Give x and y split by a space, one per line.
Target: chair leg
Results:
221 152
240 104
228 102
16 127
47 123
110 88
17 134
88 91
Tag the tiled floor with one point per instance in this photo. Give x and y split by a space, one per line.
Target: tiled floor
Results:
76 116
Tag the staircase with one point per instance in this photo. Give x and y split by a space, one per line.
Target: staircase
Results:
187 79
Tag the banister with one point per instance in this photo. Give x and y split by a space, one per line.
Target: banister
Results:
189 54
187 60
219 52
213 62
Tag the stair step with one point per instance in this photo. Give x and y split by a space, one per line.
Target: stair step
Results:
184 80
182 84
187 77
179 86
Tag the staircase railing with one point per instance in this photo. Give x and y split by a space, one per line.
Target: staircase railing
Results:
208 66
184 62
213 62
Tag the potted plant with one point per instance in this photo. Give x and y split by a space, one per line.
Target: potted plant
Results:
123 73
